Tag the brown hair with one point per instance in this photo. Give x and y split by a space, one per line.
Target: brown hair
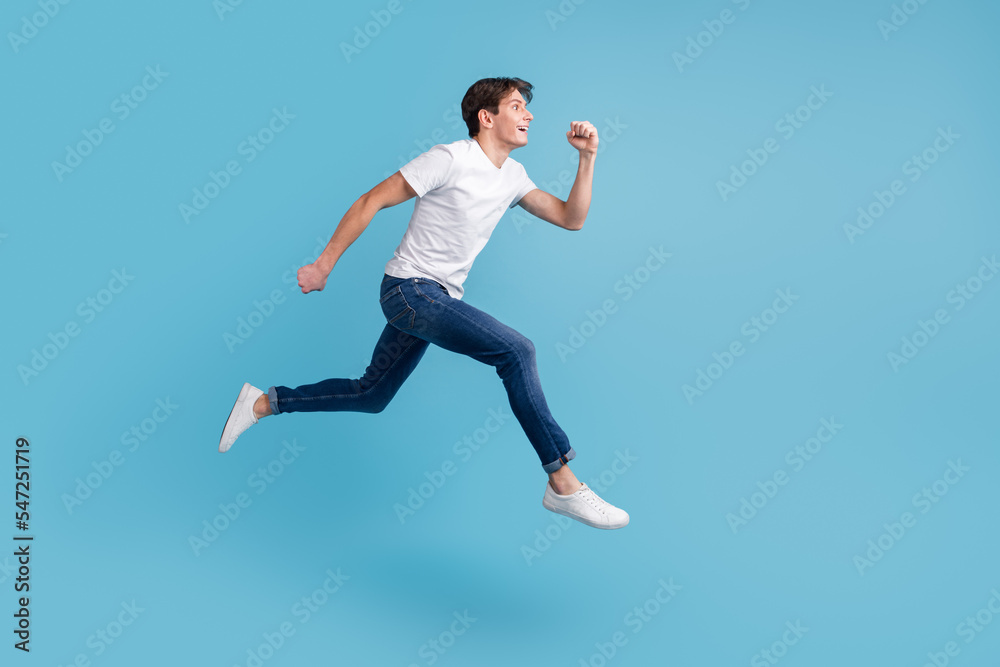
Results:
487 94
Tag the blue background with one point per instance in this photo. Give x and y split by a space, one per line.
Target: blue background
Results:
482 544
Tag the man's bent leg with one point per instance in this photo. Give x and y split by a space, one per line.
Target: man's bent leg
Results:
456 326
395 356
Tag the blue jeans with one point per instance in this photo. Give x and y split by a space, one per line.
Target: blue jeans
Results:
419 312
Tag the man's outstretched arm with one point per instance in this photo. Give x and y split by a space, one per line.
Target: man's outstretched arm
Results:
393 190
569 214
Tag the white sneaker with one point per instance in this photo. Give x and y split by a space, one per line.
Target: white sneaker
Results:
242 417
586 507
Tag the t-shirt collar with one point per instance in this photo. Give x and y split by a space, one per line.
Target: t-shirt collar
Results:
483 153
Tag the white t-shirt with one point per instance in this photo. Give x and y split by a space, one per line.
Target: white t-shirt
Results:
461 198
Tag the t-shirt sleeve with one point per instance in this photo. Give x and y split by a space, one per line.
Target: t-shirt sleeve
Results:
527 185
428 170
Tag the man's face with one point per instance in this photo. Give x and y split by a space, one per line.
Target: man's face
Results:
511 124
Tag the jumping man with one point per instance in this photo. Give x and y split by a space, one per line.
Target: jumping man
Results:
462 190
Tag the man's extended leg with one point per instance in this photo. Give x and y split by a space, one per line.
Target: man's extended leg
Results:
395 356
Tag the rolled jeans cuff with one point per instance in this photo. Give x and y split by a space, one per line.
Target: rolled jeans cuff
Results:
272 398
560 462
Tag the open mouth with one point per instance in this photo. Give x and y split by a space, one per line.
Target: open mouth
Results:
522 128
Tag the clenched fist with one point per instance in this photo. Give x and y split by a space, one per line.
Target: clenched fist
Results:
582 136
312 278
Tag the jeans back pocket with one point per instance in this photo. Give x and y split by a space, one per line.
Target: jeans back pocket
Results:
397 311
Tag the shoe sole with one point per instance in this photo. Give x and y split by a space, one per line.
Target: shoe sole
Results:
244 392
552 508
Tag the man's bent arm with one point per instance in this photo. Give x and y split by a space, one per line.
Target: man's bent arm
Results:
393 190
568 214
572 213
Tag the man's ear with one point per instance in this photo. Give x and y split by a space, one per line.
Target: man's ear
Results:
485 118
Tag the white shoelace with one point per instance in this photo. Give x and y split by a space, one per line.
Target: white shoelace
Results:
595 502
